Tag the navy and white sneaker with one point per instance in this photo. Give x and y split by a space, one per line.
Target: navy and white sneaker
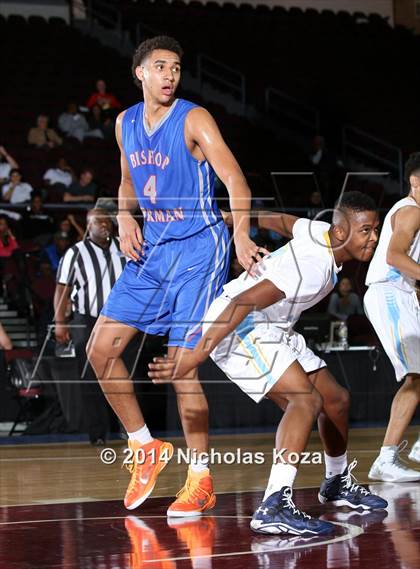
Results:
340 490
278 514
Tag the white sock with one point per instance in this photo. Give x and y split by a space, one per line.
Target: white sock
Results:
335 464
281 475
199 462
387 454
142 436
201 562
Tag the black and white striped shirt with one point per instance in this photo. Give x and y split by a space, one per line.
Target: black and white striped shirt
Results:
91 271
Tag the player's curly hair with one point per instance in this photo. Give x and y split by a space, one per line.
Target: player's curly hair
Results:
412 166
147 46
355 201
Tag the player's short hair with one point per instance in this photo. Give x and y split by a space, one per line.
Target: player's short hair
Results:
412 166
356 202
147 46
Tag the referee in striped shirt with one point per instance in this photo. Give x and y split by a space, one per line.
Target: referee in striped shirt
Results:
86 275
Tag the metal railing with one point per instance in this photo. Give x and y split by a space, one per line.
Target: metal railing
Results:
220 75
98 11
298 114
144 32
362 146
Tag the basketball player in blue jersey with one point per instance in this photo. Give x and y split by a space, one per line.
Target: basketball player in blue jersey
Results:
178 263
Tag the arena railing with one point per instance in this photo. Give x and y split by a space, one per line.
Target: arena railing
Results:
298 114
360 145
232 80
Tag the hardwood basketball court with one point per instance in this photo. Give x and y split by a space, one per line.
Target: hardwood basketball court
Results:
63 506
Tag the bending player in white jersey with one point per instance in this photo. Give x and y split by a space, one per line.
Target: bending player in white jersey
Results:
249 334
392 305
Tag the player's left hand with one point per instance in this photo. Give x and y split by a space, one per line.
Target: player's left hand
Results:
249 254
165 370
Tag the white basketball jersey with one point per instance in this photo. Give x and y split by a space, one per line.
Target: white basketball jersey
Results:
379 270
304 269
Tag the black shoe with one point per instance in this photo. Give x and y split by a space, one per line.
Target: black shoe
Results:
278 514
340 490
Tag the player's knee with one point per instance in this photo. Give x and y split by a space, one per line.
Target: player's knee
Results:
412 383
344 400
340 402
97 354
193 408
310 403
316 403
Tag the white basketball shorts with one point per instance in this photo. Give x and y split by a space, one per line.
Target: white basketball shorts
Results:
256 355
395 315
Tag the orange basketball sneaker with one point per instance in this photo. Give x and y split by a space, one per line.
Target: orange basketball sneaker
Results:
196 496
146 463
146 551
197 533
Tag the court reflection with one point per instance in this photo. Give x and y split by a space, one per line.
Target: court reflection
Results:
404 521
158 547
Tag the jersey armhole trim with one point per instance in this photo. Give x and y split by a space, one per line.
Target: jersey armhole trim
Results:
196 161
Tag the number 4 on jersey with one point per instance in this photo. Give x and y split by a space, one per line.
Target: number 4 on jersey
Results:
150 188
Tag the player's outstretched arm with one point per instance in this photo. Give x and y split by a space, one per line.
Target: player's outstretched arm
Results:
281 223
201 130
131 238
258 297
406 223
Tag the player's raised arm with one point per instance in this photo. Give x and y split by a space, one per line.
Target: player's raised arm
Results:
281 223
202 130
406 225
131 238
263 294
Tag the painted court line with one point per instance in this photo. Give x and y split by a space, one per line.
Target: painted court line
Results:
83 499
354 531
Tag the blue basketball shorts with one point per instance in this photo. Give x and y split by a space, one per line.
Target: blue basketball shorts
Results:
172 286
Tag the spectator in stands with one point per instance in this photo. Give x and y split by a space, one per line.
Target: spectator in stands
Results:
37 224
315 204
6 165
318 151
74 124
326 167
5 341
105 100
56 250
61 175
97 120
83 190
70 226
43 137
8 243
16 191
344 302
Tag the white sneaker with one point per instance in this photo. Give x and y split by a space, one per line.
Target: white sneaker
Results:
393 470
415 452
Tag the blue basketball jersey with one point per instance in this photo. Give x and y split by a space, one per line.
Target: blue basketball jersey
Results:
174 190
